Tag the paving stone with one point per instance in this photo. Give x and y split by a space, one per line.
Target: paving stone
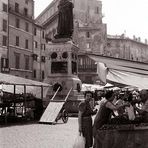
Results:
37 135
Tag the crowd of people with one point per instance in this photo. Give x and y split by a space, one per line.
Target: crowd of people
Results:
111 107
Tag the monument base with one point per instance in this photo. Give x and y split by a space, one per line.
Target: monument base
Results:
66 82
62 73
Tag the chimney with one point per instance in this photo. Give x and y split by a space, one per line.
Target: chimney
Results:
139 39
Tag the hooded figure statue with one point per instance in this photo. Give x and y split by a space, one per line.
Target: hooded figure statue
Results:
65 19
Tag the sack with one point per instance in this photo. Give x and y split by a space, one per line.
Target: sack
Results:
79 142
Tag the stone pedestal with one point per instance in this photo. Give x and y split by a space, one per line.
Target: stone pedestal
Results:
61 70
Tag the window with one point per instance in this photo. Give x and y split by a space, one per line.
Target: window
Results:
44 47
5 9
26 2
35 31
17 41
43 59
26 27
5 25
16 7
17 23
88 45
25 11
17 60
43 35
26 44
43 74
35 56
41 46
87 34
109 44
4 63
26 62
34 73
4 40
35 44
81 61
97 10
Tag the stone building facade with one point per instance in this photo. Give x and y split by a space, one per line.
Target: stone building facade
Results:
125 48
89 31
21 24
90 36
39 53
4 35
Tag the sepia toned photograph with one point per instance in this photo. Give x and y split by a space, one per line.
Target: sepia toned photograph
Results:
73 74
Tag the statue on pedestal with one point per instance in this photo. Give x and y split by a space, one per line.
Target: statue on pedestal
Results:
65 19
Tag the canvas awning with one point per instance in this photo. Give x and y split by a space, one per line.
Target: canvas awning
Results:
10 83
93 87
124 72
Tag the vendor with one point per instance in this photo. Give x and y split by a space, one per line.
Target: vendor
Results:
104 114
85 119
143 111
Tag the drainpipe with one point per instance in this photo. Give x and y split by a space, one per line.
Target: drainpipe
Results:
8 38
33 24
40 55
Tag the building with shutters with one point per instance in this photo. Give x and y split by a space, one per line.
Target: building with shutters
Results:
4 36
21 24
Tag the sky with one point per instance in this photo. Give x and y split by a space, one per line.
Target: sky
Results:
121 16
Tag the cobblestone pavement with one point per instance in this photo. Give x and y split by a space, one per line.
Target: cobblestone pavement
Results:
38 135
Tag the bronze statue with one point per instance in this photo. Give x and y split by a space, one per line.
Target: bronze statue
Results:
65 19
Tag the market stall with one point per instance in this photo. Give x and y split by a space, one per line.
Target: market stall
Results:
21 98
121 72
129 74
123 136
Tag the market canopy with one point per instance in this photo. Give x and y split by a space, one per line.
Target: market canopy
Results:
120 71
8 82
93 87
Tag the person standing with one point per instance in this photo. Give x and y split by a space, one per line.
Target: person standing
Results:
104 115
143 111
85 119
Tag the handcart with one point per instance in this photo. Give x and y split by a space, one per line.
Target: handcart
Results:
63 114
55 110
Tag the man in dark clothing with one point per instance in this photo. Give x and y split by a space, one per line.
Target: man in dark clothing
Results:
85 119
104 115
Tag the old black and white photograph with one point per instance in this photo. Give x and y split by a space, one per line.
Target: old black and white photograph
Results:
73 73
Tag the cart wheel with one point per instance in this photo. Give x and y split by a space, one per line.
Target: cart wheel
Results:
58 117
64 116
